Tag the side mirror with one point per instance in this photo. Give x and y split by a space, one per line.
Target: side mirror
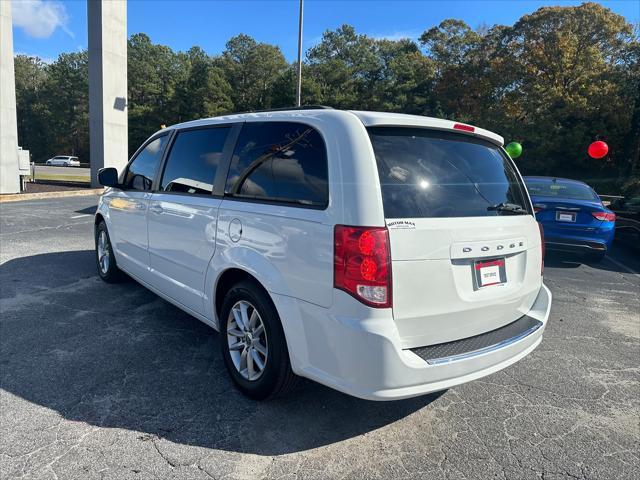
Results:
108 177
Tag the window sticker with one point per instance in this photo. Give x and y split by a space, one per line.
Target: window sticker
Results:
401 225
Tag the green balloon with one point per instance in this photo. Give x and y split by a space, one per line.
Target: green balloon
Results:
514 149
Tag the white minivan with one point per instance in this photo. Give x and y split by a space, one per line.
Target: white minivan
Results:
380 254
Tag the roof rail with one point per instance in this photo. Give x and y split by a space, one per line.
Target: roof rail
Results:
285 109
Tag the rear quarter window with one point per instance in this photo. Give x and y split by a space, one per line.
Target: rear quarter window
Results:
282 162
428 173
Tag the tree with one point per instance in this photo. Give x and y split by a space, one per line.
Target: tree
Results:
65 96
572 89
31 75
346 68
450 42
153 73
252 69
406 78
556 80
204 92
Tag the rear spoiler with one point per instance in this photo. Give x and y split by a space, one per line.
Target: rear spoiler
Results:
371 119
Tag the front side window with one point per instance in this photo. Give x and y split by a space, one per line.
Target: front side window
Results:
143 168
193 161
279 162
428 173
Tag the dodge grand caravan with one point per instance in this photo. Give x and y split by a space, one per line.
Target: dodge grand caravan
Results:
383 255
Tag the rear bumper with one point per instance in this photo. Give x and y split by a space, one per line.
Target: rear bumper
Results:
576 245
362 355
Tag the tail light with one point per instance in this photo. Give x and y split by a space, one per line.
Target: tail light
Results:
537 207
604 216
464 128
542 248
362 264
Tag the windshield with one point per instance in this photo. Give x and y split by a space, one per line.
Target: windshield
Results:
560 188
429 173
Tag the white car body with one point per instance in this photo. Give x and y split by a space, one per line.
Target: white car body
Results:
181 245
63 161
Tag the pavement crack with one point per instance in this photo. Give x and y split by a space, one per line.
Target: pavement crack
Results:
169 462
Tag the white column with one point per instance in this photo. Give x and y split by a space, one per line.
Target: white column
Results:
9 178
108 134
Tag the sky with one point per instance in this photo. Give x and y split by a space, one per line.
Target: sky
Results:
46 28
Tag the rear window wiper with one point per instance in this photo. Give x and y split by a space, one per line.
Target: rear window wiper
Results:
511 208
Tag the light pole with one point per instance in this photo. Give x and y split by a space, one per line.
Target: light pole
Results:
299 90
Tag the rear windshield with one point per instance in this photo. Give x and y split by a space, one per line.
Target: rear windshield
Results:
429 173
560 188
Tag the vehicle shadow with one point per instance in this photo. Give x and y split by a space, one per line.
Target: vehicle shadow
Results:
118 356
622 260
88 211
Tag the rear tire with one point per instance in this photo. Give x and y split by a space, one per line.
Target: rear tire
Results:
105 259
253 344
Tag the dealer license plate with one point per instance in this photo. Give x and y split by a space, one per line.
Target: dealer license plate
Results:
490 272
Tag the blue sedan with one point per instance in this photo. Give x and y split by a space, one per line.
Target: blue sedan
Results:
572 216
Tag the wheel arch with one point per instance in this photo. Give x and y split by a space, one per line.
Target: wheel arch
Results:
287 312
226 280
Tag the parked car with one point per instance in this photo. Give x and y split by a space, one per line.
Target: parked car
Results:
63 161
573 216
383 255
627 212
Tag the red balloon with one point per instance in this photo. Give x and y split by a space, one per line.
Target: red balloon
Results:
598 149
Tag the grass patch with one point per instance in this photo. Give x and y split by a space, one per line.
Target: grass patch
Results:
63 178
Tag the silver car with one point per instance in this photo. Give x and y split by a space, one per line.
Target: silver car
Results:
64 161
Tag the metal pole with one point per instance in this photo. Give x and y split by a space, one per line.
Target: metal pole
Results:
299 91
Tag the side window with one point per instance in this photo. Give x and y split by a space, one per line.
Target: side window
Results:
193 161
279 161
141 171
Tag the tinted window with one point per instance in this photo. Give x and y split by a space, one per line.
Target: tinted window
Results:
141 171
279 161
426 173
193 161
560 188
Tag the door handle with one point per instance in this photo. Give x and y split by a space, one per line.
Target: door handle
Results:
156 209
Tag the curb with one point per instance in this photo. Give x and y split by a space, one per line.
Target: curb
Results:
21 197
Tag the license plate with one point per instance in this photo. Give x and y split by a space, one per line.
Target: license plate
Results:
565 217
490 272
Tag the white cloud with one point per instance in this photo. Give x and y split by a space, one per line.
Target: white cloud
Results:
39 19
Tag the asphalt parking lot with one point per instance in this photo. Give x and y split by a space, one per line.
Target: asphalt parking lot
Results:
111 382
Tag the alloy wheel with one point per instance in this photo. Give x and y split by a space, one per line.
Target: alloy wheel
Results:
247 340
103 252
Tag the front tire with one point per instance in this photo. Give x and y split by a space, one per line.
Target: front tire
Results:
105 259
253 345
